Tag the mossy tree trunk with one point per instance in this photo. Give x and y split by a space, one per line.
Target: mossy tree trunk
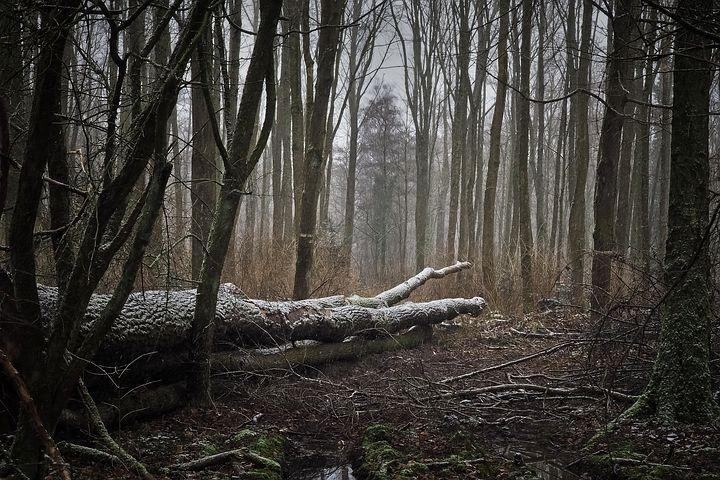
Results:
680 386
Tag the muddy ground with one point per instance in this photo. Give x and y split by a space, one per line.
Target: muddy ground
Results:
397 416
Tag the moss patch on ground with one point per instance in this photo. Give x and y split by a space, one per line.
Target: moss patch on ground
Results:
265 454
386 453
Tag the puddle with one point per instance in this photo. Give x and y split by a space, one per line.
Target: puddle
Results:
549 470
339 472
544 467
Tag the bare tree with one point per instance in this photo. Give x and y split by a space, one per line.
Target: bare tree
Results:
239 161
576 225
618 70
54 367
488 237
420 69
316 132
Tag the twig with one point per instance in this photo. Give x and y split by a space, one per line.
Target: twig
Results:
539 335
5 455
90 453
445 463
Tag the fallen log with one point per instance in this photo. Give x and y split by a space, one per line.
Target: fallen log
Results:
160 320
141 366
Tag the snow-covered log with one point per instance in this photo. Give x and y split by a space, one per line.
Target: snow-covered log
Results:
155 321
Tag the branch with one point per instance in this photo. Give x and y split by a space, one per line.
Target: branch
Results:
547 351
532 388
270 101
99 426
400 292
29 406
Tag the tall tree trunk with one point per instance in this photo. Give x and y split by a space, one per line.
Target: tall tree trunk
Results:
240 161
327 48
204 174
229 65
289 148
12 53
523 198
488 237
280 138
293 10
480 101
641 207
329 140
443 186
576 228
680 385
618 70
624 205
460 164
557 215
665 150
540 198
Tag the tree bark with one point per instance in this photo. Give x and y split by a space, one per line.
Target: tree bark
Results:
641 207
540 197
526 238
240 161
464 179
204 173
618 70
317 130
680 385
665 150
576 225
488 237
293 10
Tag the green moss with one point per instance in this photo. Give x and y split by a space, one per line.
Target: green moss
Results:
387 454
267 453
243 436
412 469
377 432
264 451
208 448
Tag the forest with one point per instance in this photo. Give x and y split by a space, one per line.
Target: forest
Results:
360 239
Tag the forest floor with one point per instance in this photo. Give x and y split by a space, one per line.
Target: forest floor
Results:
395 415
